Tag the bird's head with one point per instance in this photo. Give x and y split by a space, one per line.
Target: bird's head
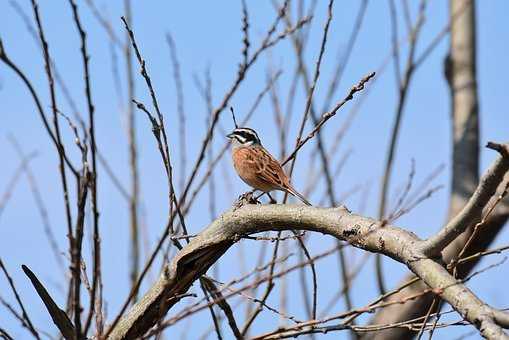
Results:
244 136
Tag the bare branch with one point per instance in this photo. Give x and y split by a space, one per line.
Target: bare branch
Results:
24 315
328 115
403 87
216 295
472 212
194 259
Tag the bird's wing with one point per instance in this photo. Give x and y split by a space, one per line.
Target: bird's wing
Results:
269 170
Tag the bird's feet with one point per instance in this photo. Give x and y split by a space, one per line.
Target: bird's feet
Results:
271 199
245 198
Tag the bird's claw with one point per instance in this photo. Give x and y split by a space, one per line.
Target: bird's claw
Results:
245 198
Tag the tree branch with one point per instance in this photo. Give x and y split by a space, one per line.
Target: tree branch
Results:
361 232
472 211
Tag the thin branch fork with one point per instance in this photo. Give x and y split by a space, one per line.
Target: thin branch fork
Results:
88 178
328 115
472 212
365 233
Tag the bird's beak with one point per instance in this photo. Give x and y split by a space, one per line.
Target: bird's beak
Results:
230 135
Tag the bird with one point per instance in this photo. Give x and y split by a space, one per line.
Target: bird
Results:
256 166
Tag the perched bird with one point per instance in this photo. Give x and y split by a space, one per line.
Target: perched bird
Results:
256 166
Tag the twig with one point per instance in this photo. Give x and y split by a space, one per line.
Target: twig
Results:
161 130
472 212
245 32
83 185
15 314
313 275
96 277
212 313
221 302
5 335
58 78
301 328
328 115
478 226
57 137
60 148
353 274
311 90
268 289
427 316
272 309
24 313
256 283
477 255
74 281
158 128
403 88
343 61
160 116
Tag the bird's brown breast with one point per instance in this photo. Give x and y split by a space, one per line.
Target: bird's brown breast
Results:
259 169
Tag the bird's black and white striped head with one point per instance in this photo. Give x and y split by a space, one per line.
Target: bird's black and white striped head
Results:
244 136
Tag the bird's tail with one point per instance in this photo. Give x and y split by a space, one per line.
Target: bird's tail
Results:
298 195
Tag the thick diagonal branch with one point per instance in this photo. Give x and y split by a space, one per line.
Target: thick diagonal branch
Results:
365 233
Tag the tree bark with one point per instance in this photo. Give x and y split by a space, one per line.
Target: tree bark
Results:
361 232
460 72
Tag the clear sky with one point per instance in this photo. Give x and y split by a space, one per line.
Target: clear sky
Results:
208 36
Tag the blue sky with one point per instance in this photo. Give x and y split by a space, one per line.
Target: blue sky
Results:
208 36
